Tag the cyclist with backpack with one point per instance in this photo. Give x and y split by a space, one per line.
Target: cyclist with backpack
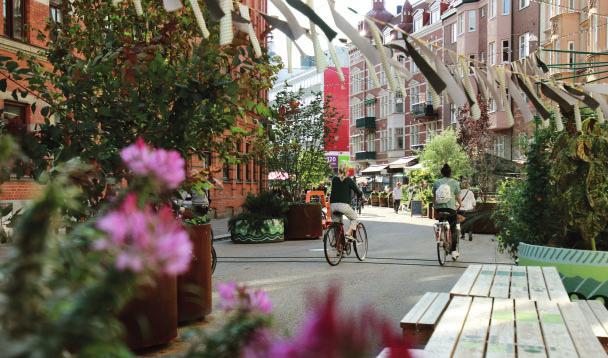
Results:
342 188
446 200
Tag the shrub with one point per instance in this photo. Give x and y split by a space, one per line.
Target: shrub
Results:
259 208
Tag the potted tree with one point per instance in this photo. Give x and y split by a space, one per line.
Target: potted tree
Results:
374 198
298 135
262 220
557 214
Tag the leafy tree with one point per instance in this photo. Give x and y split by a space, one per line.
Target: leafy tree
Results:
299 132
116 76
442 149
475 138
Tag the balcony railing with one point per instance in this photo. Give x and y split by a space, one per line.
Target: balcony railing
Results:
366 122
423 110
365 155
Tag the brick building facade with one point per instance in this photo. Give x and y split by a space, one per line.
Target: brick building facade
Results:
20 22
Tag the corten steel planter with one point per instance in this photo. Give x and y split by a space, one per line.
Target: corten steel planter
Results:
583 272
375 200
274 231
150 318
481 219
194 286
304 221
383 201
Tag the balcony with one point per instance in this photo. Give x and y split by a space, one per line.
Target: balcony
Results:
366 123
423 111
365 155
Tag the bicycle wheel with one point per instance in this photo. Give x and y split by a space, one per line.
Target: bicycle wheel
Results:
332 245
441 249
213 259
361 242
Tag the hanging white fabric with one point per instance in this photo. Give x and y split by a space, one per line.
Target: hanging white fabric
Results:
200 20
226 32
320 60
257 49
336 60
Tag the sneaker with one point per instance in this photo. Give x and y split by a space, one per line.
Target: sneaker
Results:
349 237
455 255
470 237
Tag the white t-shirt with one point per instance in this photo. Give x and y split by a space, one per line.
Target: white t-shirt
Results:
468 200
397 193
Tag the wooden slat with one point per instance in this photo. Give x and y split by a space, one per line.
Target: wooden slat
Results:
432 314
473 337
536 283
529 336
446 333
502 282
585 341
600 312
465 282
501 340
555 286
555 333
484 281
593 322
412 317
519 283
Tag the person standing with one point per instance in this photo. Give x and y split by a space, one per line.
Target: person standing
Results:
397 195
467 197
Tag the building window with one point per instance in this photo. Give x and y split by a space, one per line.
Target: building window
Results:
454 33
492 8
506 7
226 171
472 20
523 4
14 19
482 12
370 107
414 97
398 102
248 167
435 13
571 4
398 138
595 26
482 57
460 23
506 51
413 67
14 118
414 135
371 142
571 54
491 105
524 45
239 171
471 64
453 118
55 11
431 130
499 146
492 52
418 24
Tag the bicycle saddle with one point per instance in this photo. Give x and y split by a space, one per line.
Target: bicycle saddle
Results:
337 213
443 216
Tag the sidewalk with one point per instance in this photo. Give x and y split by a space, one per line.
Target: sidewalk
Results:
220 229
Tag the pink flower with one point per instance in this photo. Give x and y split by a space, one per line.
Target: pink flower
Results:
166 166
142 239
241 298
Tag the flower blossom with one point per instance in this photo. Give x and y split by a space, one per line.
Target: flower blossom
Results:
143 239
241 298
166 166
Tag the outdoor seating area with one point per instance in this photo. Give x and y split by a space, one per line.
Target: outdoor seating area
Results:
507 311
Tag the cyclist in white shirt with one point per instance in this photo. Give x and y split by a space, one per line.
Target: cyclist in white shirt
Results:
467 197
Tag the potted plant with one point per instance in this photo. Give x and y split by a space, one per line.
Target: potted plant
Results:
374 198
298 135
262 220
383 196
557 214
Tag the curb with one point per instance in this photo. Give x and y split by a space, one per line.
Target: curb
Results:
222 237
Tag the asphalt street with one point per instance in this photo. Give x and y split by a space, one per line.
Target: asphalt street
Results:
400 268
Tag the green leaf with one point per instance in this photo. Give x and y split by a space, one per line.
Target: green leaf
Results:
45 111
3 85
15 95
11 66
33 107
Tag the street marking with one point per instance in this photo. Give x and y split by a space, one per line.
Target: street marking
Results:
316 249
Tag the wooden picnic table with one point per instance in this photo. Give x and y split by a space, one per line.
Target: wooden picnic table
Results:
515 282
504 327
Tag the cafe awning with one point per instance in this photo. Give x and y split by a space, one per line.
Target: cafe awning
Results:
403 162
376 168
414 167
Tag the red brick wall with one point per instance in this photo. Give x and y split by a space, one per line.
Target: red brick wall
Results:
19 190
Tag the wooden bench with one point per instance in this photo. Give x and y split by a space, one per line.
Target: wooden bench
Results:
515 282
414 353
501 327
596 315
419 323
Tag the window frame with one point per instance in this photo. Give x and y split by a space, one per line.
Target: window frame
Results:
8 14
571 56
506 7
472 28
492 52
460 20
525 2
492 9
508 51
524 47
454 32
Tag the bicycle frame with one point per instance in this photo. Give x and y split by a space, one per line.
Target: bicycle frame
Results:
438 227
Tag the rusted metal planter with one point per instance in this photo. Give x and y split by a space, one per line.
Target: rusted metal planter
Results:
304 221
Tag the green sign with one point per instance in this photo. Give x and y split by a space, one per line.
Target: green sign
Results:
343 159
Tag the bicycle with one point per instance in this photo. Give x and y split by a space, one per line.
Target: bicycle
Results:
335 244
443 237
213 254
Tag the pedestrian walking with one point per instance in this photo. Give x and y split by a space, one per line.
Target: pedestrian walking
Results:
397 195
468 206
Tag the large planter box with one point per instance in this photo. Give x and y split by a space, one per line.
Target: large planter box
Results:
584 272
304 221
375 201
481 219
274 231
150 318
384 201
194 286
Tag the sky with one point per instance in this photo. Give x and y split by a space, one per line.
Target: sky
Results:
322 9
